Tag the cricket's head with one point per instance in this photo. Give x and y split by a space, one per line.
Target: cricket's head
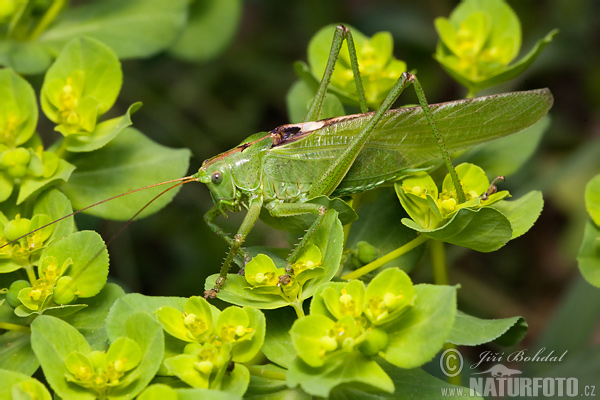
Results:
217 175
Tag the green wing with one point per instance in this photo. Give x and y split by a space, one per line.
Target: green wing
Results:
402 139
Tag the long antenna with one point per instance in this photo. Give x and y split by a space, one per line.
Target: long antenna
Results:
183 180
126 224
180 181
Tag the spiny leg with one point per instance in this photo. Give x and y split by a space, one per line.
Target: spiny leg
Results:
288 210
436 133
237 241
209 219
341 33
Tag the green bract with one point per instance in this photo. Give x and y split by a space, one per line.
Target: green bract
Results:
21 386
18 109
478 42
349 324
378 67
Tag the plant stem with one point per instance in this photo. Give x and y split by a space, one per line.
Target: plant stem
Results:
387 258
14 327
438 262
30 274
440 277
453 380
48 18
297 305
260 371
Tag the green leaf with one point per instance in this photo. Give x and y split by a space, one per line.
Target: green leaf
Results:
348 369
161 391
472 331
592 199
278 343
299 98
507 155
24 57
589 254
236 381
90 322
410 384
53 340
55 204
156 24
210 28
420 333
329 238
18 109
522 213
103 133
64 310
482 230
193 394
16 353
268 382
31 185
88 253
129 161
19 386
238 291
90 70
158 391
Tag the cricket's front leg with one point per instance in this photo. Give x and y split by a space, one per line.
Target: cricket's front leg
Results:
236 243
209 219
287 210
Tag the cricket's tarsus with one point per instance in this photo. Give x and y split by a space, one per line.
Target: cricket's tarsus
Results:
493 188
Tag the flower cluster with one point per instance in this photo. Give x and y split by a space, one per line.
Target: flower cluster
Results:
215 339
100 370
349 317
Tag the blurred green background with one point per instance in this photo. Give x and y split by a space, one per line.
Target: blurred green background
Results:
211 106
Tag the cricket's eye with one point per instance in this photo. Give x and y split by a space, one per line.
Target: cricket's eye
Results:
217 177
